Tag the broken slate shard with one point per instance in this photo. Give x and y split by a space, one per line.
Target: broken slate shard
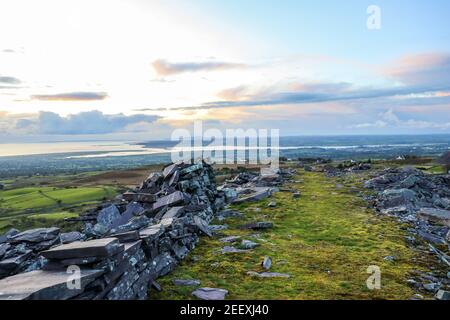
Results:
105 247
260 225
210 293
266 263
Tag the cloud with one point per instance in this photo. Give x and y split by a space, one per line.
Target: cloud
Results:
390 119
9 80
91 122
165 68
71 96
431 69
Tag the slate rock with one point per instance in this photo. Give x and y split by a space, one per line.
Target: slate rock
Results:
210 294
266 263
44 285
229 249
436 215
173 212
94 248
247 244
268 274
202 225
186 282
260 225
69 237
3 248
173 199
230 239
272 204
11 264
108 216
35 235
5 237
132 209
139 197
443 295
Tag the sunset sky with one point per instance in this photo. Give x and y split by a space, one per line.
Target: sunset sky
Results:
138 69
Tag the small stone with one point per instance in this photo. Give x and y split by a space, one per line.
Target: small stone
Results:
69 237
210 293
248 245
272 204
266 263
156 286
186 282
230 239
229 249
296 195
389 258
417 297
217 227
268 274
258 225
432 287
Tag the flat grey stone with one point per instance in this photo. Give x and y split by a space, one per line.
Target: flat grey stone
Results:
230 239
69 237
217 227
127 236
210 293
256 194
247 244
94 248
3 248
35 235
44 285
152 233
173 212
186 282
229 249
169 170
268 274
173 199
436 215
260 225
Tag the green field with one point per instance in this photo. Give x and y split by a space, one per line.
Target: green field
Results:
325 240
46 205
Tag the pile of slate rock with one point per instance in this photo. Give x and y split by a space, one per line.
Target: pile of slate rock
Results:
423 201
254 186
126 244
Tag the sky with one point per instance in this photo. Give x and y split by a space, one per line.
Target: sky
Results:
139 69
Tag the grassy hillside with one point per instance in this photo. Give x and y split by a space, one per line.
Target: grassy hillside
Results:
44 205
325 240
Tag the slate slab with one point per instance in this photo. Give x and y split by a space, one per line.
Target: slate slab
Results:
139 197
173 212
436 215
173 199
69 237
44 285
186 282
94 248
35 235
268 274
210 293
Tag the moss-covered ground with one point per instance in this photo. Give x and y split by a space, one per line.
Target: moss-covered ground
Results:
325 240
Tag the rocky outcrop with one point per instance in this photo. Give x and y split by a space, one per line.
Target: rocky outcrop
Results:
127 243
